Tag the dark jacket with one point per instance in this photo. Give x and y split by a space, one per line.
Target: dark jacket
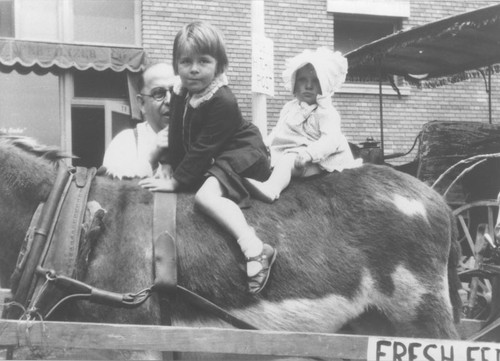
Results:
213 133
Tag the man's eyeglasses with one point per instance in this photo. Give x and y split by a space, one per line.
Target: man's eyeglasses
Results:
159 94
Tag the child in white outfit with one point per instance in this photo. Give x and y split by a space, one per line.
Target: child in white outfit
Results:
307 139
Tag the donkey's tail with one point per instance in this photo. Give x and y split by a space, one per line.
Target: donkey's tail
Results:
453 261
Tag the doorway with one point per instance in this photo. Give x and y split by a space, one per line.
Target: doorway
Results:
93 125
87 136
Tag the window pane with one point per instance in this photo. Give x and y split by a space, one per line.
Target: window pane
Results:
7 18
352 33
110 21
37 20
101 84
29 105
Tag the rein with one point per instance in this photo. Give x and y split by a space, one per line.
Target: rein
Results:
41 281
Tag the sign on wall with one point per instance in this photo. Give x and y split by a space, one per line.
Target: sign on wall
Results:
262 65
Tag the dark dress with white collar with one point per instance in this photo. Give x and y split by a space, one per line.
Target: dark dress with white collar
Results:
213 139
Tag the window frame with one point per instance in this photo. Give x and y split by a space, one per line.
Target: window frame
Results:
65 25
359 87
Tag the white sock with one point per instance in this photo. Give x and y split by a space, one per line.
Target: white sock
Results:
251 246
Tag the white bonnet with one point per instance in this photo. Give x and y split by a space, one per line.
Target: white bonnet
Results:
331 69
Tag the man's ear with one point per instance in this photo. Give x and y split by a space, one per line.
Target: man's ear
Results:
140 101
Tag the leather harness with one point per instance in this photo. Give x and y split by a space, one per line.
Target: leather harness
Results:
42 280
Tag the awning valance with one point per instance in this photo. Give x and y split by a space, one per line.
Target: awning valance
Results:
14 52
449 50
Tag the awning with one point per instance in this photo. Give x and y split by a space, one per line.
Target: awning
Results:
448 50
14 52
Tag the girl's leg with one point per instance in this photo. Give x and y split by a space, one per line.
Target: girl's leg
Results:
211 201
271 189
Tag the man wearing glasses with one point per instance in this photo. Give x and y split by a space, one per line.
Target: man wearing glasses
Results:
135 152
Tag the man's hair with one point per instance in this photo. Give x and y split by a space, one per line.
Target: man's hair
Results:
202 38
140 81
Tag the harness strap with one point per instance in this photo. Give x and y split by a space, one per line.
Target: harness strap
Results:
164 231
61 250
22 258
164 255
40 236
205 304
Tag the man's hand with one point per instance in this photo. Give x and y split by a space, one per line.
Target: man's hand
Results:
161 143
162 138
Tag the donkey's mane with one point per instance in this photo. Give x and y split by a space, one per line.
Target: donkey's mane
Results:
30 145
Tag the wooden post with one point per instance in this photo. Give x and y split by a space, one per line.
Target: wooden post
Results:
259 105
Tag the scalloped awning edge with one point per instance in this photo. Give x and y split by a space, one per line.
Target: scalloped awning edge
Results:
66 56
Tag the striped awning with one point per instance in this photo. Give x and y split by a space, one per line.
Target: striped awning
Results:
46 55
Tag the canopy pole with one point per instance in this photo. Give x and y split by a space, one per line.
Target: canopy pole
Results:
489 94
487 86
381 110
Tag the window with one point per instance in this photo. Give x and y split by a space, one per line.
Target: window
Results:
352 31
114 22
7 18
77 110
37 20
100 84
30 106
110 21
359 22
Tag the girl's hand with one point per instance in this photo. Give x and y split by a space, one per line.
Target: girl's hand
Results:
164 171
302 159
159 185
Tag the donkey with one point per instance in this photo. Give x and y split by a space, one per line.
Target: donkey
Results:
366 239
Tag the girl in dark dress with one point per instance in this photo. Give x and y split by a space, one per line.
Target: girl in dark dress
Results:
212 147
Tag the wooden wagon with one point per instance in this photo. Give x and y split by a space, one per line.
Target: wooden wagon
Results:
461 160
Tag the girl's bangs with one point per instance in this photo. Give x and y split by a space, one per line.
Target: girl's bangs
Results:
193 46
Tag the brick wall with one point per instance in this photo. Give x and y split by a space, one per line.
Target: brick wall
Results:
162 20
297 25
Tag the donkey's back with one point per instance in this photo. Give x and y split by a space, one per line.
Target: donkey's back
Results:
365 238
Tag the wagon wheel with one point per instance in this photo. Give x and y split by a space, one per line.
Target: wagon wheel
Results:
476 222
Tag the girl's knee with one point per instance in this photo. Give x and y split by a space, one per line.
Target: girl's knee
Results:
201 198
209 192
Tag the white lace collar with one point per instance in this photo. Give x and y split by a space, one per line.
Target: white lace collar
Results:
197 99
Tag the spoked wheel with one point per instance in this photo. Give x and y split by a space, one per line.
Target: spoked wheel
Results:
476 222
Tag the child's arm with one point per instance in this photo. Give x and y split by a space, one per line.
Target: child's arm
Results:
330 140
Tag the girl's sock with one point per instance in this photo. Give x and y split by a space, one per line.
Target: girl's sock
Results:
251 246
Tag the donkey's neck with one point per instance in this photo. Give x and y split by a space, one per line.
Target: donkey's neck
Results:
25 181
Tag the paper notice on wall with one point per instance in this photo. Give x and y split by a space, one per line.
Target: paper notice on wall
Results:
407 349
262 65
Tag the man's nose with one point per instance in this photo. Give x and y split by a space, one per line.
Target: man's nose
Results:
166 100
309 84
